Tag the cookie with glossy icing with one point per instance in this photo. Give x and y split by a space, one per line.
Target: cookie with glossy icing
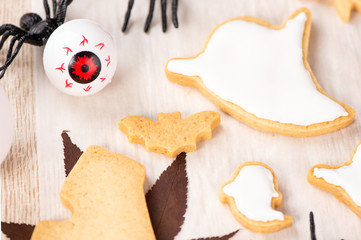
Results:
343 181
259 74
252 195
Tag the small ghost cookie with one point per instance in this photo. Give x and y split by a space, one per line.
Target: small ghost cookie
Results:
170 135
252 194
345 7
259 74
343 181
105 192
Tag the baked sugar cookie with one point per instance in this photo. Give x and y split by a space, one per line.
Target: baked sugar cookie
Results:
170 135
343 181
105 192
252 194
345 7
259 74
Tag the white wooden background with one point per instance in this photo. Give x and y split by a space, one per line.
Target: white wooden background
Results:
19 172
141 88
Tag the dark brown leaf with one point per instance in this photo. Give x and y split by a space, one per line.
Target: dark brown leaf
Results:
71 153
167 200
225 237
15 231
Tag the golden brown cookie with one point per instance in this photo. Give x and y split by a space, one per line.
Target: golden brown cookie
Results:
259 74
170 135
345 7
343 181
252 195
105 193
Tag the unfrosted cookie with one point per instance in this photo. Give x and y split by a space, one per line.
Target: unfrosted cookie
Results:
170 135
259 74
345 7
252 195
105 192
343 181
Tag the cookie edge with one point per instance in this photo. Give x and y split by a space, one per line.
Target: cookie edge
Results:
162 150
250 119
335 190
276 202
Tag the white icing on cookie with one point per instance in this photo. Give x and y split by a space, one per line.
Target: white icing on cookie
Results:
262 71
253 190
347 177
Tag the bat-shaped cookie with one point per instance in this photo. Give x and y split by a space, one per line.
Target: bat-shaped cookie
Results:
170 135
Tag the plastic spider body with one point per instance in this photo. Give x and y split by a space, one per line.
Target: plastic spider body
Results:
33 30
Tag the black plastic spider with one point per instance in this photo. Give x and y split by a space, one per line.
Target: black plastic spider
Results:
163 5
34 30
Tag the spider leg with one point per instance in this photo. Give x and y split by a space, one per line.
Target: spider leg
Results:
4 37
7 30
10 50
55 5
312 227
150 16
174 13
46 8
61 11
127 15
163 5
10 27
11 55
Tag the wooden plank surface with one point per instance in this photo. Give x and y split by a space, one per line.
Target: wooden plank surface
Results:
140 88
19 172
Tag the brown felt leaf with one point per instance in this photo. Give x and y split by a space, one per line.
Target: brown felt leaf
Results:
167 200
15 231
71 153
170 135
225 237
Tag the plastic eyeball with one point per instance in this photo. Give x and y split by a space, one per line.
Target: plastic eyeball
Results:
6 126
80 58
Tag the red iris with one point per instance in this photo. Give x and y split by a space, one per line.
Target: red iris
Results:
84 67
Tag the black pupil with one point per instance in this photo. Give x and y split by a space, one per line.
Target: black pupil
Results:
84 68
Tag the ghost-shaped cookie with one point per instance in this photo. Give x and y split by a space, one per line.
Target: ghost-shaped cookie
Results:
258 73
252 195
343 181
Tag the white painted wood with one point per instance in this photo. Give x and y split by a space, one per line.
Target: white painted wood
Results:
19 172
141 88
